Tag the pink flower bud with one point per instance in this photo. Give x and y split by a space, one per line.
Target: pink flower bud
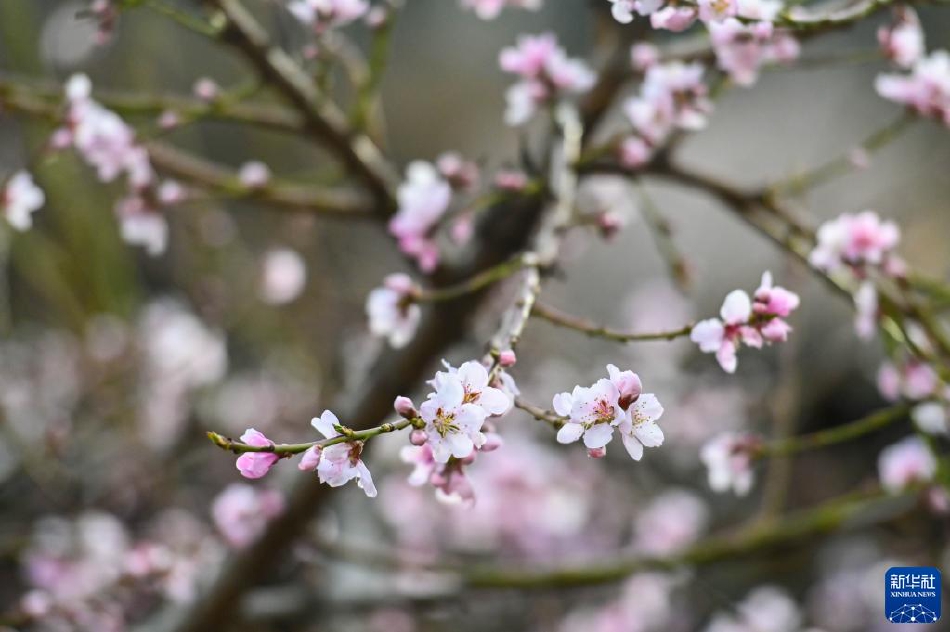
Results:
597 453
405 407
418 437
507 358
310 459
610 224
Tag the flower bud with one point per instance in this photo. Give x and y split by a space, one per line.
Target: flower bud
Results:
418 437
507 358
405 407
597 453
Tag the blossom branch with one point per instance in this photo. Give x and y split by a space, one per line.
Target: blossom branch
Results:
327 123
559 318
339 202
290 449
45 99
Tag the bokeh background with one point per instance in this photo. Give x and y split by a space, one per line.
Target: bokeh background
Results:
114 363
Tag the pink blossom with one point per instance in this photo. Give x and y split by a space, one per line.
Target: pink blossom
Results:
639 428
673 18
423 199
256 464
326 14
453 418
643 55
511 180
340 463
102 138
904 463
623 10
912 379
746 322
461 174
491 9
592 413
728 462
142 225
926 90
855 240
546 74
254 174
717 10
903 40
474 378
284 276
20 199
241 512
451 483
392 313
742 49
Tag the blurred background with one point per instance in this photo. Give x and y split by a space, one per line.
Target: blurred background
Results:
113 364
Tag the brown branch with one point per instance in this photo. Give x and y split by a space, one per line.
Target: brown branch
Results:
559 318
332 202
321 118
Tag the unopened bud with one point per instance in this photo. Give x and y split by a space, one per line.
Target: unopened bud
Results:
597 453
418 437
405 407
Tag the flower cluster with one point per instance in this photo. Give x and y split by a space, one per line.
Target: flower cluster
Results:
905 463
616 402
546 73
743 32
728 460
491 9
91 574
926 88
903 40
109 145
326 14
861 244
918 382
743 321
456 425
19 199
423 197
392 313
672 96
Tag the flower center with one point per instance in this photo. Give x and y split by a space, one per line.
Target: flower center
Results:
444 422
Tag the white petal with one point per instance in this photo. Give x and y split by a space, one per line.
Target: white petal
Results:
563 402
634 447
708 334
569 433
494 401
649 434
736 308
598 436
